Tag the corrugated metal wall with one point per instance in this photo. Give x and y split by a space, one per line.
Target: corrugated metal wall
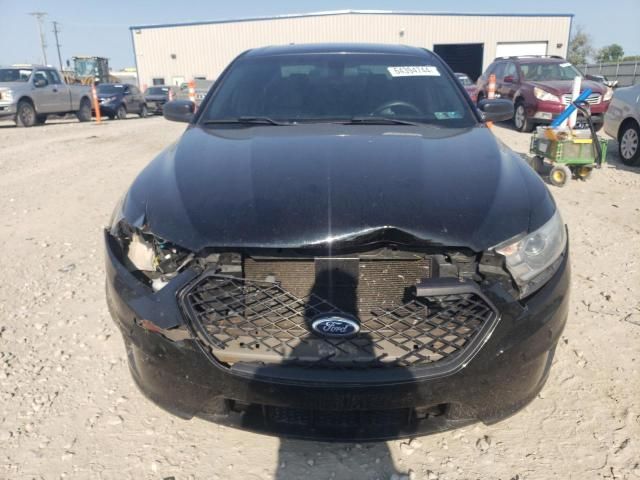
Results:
205 50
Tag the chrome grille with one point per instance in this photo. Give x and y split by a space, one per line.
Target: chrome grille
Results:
593 99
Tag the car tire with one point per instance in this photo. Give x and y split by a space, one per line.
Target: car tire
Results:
84 112
40 119
121 112
520 120
583 173
629 144
559 175
537 163
143 111
25 114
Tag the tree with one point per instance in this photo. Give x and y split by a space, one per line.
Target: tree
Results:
610 53
580 48
631 58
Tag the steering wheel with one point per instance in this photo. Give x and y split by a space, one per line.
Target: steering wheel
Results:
396 103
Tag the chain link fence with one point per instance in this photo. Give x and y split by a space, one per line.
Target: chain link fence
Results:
626 73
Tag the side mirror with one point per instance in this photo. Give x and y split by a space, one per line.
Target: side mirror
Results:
508 79
179 110
40 82
496 109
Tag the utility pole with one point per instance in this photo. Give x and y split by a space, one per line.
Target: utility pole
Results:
55 32
43 42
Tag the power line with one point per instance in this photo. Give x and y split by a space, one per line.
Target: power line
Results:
43 42
55 32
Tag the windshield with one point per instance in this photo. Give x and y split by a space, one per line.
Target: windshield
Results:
156 91
540 72
464 80
110 88
14 74
334 87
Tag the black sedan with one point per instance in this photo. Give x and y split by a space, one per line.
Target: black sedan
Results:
338 247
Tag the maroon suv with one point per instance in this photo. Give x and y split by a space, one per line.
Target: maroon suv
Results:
540 87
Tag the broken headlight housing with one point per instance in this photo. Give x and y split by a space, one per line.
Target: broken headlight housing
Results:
150 258
532 259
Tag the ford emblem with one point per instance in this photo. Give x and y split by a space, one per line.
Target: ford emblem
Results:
335 326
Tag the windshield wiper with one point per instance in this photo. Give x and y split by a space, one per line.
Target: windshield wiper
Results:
371 120
245 120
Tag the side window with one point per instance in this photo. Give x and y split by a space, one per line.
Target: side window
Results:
488 71
511 70
53 77
40 75
499 71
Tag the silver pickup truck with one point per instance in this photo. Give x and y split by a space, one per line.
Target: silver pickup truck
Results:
29 93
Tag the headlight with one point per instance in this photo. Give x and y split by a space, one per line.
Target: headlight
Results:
6 95
541 94
533 259
608 94
150 258
109 99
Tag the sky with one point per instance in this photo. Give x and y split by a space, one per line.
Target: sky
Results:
101 28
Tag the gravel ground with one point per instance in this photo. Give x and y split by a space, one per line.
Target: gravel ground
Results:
69 409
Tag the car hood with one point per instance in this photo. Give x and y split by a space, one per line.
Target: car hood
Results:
14 85
334 185
562 87
108 95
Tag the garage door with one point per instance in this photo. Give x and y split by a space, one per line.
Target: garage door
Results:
521 48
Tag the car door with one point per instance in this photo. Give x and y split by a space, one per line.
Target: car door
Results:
60 99
42 93
138 97
129 100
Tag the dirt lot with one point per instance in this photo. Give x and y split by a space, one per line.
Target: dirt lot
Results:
69 409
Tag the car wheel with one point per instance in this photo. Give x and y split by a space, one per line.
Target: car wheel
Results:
537 163
629 144
84 112
559 175
121 113
520 120
40 119
583 173
143 111
26 114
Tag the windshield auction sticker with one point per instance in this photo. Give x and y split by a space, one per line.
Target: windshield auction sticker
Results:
414 71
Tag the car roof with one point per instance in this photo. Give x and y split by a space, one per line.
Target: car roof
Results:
336 48
533 59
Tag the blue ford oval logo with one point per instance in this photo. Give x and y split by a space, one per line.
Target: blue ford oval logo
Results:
335 326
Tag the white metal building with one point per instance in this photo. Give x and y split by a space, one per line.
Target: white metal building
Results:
175 53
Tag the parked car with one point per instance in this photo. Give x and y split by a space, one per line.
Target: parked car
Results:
541 88
622 122
118 99
156 96
31 93
201 88
468 85
338 247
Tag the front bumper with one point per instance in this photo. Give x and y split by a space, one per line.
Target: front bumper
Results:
182 377
8 109
546 112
